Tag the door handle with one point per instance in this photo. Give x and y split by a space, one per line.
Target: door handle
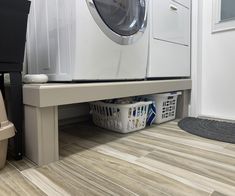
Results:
173 7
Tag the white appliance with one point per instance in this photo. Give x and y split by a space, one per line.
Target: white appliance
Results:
88 39
170 28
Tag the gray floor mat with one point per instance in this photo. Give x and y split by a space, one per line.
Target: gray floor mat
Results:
211 129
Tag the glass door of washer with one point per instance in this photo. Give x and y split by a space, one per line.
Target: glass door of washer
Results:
123 21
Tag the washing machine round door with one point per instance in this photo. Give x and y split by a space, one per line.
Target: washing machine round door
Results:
123 21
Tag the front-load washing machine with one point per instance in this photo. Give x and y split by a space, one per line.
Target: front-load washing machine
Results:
88 39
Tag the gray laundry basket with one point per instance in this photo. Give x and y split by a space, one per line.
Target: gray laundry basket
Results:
7 131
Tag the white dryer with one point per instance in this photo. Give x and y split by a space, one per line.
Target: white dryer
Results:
170 41
88 39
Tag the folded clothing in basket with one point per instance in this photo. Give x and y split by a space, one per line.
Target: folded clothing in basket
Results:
128 100
151 114
151 110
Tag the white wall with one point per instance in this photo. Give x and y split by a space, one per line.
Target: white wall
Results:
214 93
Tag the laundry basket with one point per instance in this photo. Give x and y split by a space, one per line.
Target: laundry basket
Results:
7 131
166 105
123 118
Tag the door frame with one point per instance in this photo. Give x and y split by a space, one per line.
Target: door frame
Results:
196 59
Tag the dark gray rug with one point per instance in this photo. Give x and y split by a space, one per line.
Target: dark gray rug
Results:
211 129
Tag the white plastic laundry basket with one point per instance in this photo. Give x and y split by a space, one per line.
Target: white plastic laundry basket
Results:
123 118
166 105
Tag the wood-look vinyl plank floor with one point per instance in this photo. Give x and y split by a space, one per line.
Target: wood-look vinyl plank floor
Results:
160 160
134 172
21 164
12 182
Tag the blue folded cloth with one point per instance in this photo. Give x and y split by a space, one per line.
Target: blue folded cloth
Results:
151 111
151 114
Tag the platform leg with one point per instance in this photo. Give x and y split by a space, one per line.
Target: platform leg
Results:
183 104
41 134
